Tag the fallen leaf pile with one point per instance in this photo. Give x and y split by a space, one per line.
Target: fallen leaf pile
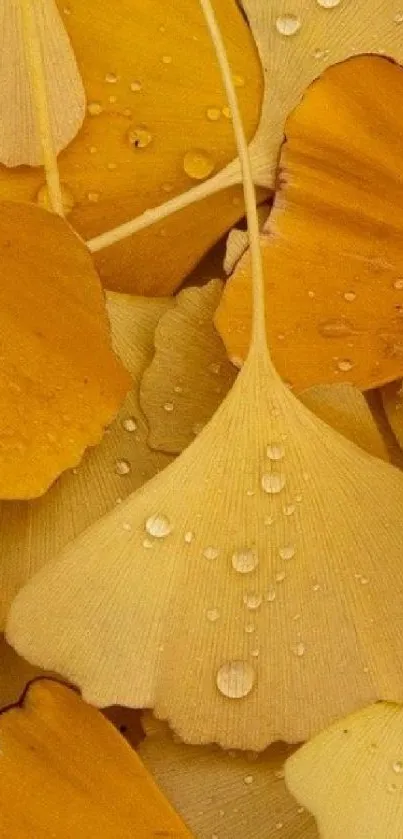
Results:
201 485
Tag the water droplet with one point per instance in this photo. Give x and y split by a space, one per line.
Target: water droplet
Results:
227 112
68 200
275 451
252 601
166 59
239 81
248 779
273 482
280 577
198 427
299 649
289 509
349 296
391 787
147 543
129 424
398 18
139 137
94 109
188 537
288 24
398 767
198 164
335 328
255 653
398 283
93 197
245 561
328 4
169 406
135 86
122 467
271 595
158 526
287 552
112 99
345 365
235 679
211 553
249 628
212 615
112 166
111 78
213 114
127 526
279 825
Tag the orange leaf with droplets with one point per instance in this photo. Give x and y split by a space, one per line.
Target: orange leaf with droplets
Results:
60 382
81 779
153 89
333 259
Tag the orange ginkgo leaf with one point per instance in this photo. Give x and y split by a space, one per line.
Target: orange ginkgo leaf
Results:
15 673
60 382
157 124
333 257
81 779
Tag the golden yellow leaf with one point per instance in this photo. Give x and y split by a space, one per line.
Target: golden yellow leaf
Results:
33 532
60 382
80 778
227 795
351 775
152 86
250 578
19 135
332 249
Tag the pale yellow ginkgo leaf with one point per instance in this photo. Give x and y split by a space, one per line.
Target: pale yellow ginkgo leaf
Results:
238 240
189 374
296 43
351 775
257 594
20 140
33 532
225 795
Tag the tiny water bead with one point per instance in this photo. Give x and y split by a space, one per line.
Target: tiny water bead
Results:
349 296
270 596
168 406
94 109
129 424
275 451
111 78
328 4
299 649
122 467
289 509
135 86
245 561
287 552
398 284
166 59
139 136
93 197
397 767
235 679
158 526
345 365
248 779
273 482
398 18
68 200
212 615
188 537
213 114
211 552
288 24
252 601
226 112
336 328
198 164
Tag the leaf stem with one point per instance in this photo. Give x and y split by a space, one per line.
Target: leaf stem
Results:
34 59
149 217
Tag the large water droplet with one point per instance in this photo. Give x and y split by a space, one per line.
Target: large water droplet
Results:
288 24
211 553
335 328
198 164
245 561
139 136
273 482
158 526
122 467
275 451
235 679
252 601
68 200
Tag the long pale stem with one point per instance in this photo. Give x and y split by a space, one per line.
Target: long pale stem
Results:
149 217
34 59
259 338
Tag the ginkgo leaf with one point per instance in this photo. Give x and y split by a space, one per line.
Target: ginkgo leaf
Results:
148 107
15 673
238 240
60 382
332 245
377 401
230 796
296 43
190 375
250 578
20 140
351 775
33 532
80 778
